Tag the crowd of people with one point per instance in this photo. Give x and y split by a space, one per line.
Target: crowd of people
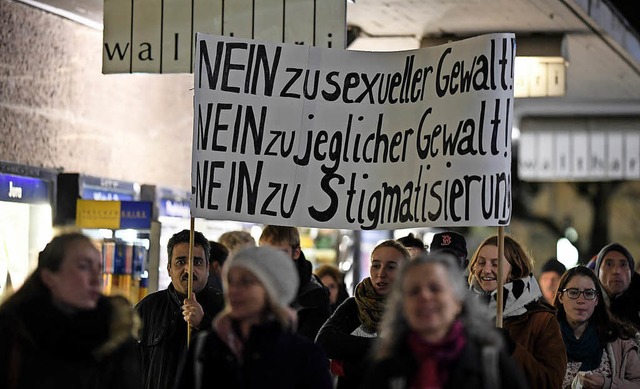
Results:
260 316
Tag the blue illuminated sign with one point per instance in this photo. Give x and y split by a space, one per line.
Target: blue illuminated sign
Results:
135 214
174 208
101 194
106 189
21 189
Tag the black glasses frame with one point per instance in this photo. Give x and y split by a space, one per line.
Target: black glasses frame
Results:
570 291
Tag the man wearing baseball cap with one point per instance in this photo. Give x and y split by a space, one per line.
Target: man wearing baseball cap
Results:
615 269
452 243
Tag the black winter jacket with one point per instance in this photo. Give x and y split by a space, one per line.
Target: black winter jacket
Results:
44 347
163 340
627 305
312 303
273 358
337 339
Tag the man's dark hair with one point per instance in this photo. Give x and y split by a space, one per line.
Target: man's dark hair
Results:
183 237
219 252
411 241
553 265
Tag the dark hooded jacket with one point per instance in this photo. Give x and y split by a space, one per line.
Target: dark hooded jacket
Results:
43 347
626 305
163 341
312 302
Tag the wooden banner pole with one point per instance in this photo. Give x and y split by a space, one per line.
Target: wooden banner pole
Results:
190 282
499 305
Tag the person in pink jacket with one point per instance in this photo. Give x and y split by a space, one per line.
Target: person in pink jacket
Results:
601 350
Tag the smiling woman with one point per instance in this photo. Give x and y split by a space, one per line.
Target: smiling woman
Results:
59 325
434 335
530 329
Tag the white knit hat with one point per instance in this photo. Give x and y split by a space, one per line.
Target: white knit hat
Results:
275 270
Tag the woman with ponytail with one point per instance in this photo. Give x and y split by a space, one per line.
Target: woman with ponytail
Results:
350 332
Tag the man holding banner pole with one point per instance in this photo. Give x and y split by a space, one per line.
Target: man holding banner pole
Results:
168 315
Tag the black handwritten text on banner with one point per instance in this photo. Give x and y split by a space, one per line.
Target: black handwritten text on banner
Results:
305 136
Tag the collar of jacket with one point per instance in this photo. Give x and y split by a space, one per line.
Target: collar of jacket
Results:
124 326
533 307
633 291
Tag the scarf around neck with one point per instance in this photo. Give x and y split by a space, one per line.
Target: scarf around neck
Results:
229 334
515 295
370 305
434 359
587 349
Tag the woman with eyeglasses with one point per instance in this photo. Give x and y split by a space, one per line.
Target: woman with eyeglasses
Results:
601 350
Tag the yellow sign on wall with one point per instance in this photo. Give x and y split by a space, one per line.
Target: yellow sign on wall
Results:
98 214
157 36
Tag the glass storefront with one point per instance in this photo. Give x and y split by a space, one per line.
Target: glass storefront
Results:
25 221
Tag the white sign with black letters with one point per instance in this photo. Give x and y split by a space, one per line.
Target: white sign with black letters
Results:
312 137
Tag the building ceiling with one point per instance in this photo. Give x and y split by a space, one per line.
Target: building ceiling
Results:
603 71
599 69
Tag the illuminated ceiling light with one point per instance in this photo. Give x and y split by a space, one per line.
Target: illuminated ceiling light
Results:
539 77
540 68
384 43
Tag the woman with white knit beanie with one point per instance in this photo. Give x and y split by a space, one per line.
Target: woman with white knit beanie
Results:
253 343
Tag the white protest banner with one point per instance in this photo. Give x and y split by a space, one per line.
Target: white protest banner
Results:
312 137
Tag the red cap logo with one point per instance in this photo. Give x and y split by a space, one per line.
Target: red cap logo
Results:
446 240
